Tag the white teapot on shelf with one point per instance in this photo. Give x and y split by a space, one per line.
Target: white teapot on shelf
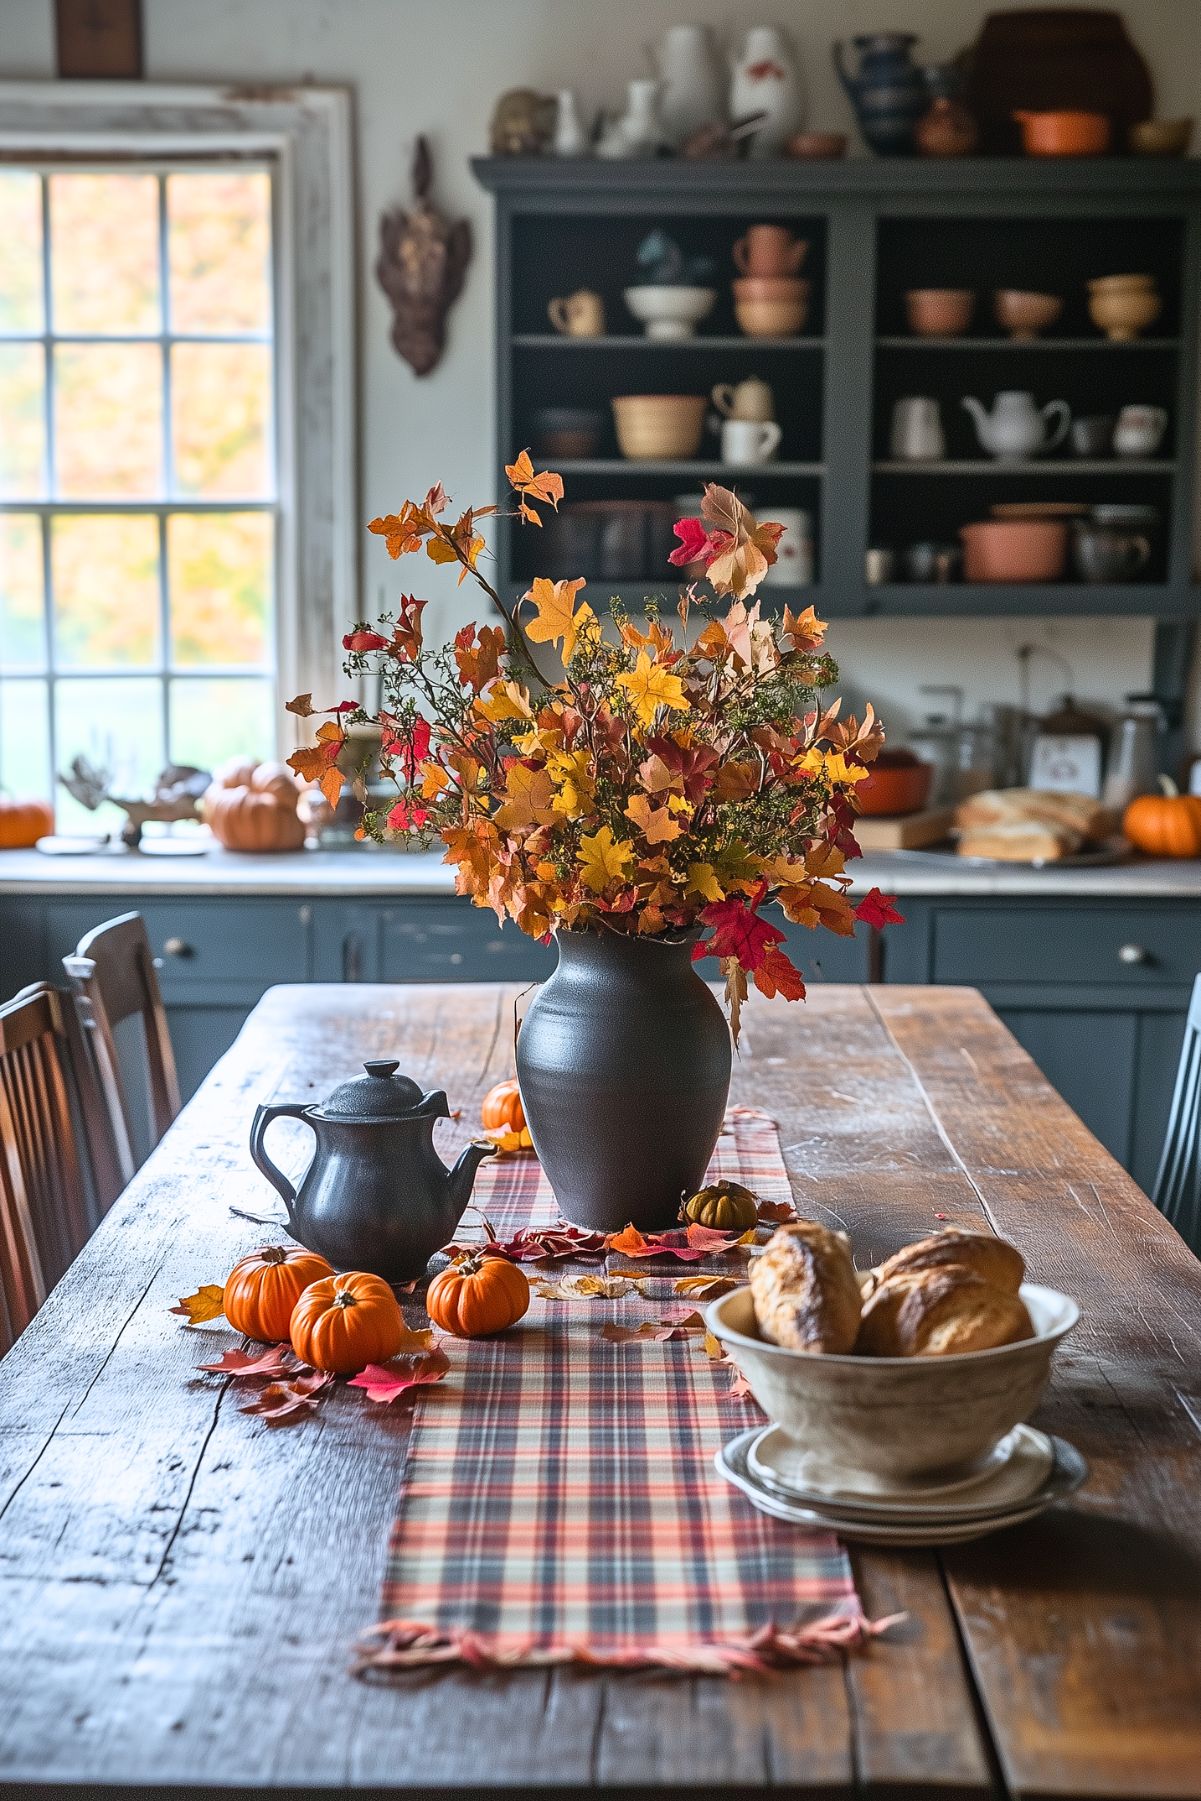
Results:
1016 428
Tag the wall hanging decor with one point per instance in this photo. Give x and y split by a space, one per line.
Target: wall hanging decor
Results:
422 261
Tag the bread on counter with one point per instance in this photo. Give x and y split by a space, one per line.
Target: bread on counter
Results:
805 1290
1018 841
1076 813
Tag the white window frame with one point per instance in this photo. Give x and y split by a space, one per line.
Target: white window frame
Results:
305 133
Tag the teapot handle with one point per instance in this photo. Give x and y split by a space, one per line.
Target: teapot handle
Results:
1065 419
258 1132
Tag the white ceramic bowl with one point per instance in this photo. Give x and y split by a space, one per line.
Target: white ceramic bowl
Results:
896 1416
670 312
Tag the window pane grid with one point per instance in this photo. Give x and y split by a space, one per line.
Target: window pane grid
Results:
245 455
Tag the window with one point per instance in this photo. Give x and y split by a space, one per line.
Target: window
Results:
172 551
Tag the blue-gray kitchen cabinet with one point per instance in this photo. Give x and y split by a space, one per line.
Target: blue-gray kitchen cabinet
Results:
1095 990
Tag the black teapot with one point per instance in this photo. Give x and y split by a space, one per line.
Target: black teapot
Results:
376 1195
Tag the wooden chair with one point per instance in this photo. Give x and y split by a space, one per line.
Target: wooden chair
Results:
1177 1189
59 1171
112 972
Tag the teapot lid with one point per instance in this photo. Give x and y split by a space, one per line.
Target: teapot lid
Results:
378 1094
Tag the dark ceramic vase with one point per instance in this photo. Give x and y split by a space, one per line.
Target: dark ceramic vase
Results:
624 1065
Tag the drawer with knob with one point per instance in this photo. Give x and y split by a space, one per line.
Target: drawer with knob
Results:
223 949
1122 945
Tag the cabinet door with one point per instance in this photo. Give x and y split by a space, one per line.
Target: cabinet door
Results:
1091 1057
199 1035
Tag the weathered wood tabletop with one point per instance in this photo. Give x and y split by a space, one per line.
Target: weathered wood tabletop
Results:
182 1585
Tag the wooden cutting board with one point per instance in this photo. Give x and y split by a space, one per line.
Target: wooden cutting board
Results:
908 831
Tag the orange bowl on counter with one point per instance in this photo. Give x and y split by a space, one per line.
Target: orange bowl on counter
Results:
899 783
1014 550
1064 133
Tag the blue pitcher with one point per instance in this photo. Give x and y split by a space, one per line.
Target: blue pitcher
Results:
889 93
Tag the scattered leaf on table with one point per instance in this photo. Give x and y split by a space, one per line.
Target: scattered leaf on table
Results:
283 1403
710 1286
588 1287
416 1340
385 1382
659 1330
689 1246
714 1348
278 1361
774 1213
508 1142
207 1303
740 1389
545 1244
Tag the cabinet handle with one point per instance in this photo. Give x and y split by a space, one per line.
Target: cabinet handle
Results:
178 947
352 958
1133 953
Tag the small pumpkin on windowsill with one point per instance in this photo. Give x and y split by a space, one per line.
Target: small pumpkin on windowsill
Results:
1166 824
23 822
252 807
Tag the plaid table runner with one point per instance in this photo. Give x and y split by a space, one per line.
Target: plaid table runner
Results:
559 1501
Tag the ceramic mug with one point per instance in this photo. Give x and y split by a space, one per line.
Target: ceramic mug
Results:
747 441
917 434
580 315
794 551
1139 430
1093 436
749 399
879 565
769 250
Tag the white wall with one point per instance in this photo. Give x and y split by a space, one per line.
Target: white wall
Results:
436 66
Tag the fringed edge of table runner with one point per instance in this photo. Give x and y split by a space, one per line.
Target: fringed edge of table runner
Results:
408 1644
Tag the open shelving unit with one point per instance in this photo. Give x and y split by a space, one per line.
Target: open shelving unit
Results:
874 227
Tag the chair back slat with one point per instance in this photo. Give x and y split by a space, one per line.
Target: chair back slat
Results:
1177 1187
112 972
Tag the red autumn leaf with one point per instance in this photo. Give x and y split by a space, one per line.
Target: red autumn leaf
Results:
284 1403
777 974
772 1213
545 1244
695 544
407 816
690 1246
363 641
876 909
386 1382
691 762
278 1361
406 633
738 931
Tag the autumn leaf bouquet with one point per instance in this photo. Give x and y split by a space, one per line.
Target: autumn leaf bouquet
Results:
652 777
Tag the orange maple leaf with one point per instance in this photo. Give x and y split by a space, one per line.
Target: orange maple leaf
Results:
530 485
207 1303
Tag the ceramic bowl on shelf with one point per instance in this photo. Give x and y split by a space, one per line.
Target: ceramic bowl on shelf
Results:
1064 133
567 432
1160 137
1123 310
670 313
1014 550
817 146
1024 315
939 312
659 427
771 306
896 1417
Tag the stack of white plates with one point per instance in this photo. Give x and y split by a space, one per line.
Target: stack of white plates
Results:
1023 1474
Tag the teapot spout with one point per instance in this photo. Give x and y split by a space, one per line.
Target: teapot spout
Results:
461 1179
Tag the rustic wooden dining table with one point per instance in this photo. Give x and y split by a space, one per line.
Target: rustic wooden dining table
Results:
182 1585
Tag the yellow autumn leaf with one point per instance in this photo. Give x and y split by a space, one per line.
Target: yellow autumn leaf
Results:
603 861
528 795
556 620
650 687
702 879
571 772
207 1303
655 823
433 780
833 767
503 700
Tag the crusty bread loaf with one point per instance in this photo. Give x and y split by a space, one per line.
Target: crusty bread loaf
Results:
1018 841
805 1291
985 1255
939 1313
1079 813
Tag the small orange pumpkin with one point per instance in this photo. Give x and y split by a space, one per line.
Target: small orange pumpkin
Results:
342 1323
501 1109
1165 825
252 807
262 1289
23 822
477 1295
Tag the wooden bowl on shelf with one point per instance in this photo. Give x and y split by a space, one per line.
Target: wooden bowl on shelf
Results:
1160 137
659 427
1122 312
1014 550
939 312
1024 315
1064 133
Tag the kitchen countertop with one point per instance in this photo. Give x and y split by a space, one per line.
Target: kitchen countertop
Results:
373 874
